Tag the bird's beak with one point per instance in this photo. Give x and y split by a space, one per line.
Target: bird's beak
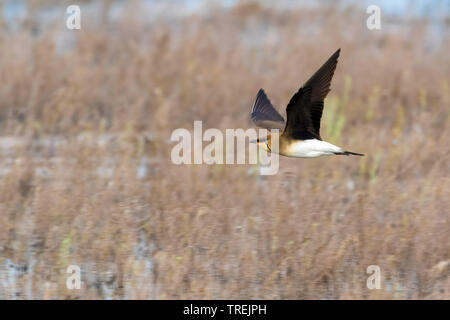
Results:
259 141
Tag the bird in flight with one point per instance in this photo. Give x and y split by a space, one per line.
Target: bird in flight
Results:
301 135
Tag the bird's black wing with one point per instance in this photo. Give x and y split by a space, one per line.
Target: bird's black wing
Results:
304 111
264 114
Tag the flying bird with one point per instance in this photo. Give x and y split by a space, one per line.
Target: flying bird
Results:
301 135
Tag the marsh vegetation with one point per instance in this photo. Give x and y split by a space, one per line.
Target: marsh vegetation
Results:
86 177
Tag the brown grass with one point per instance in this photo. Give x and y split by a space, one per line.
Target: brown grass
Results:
222 232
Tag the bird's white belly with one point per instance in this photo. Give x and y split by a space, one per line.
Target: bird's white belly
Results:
311 148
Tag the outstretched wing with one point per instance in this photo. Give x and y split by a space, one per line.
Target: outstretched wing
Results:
305 108
264 114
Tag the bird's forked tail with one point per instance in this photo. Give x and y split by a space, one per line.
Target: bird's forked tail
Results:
347 153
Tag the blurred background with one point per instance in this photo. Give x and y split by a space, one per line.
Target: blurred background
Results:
85 172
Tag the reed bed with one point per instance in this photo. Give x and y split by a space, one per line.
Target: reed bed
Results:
86 176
